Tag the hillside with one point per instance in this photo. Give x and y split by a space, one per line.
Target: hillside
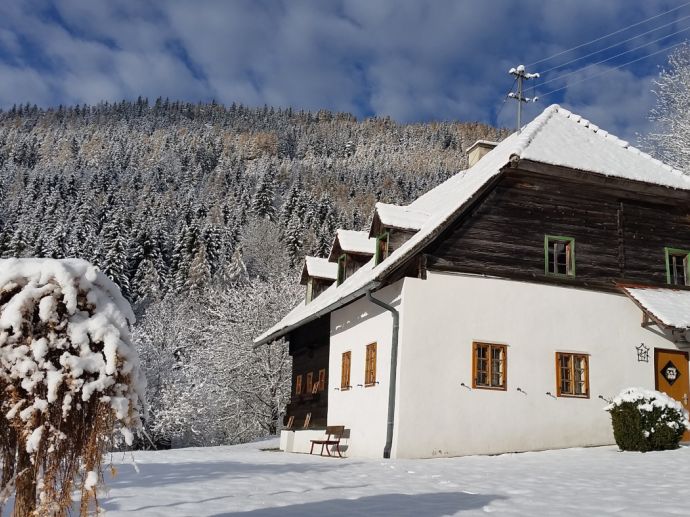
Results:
202 213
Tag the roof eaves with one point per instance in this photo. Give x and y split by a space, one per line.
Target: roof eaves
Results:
263 339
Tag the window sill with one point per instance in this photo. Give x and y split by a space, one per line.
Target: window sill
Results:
370 384
567 396
490 388
560 275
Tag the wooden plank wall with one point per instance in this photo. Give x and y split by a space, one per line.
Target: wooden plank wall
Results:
619 234
309 348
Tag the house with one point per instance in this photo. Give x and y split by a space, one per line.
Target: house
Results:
498 311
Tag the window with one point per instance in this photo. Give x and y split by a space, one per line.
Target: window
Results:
559 255
370 366
382 247
345 371
342 264
298 385
572 375
489 366
310 382
322 379
677 266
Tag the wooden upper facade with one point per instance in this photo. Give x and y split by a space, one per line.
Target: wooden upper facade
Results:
621 230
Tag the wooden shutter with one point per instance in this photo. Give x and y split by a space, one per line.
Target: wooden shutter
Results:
298 385
310 382
370 367
345 371
322 379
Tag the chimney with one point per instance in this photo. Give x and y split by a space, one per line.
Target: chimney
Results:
477 151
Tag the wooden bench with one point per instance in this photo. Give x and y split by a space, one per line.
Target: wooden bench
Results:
333 435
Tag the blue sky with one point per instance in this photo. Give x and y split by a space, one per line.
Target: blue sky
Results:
411 60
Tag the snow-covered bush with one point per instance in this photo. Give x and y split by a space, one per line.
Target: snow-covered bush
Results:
70 382
647 420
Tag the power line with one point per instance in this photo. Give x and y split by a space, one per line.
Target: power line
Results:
614 45
610 34
612 69
613 57
498 114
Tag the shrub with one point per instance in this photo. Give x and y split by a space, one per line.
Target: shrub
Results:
70 383
646 420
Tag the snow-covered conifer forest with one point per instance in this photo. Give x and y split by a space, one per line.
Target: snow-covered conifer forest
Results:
202 213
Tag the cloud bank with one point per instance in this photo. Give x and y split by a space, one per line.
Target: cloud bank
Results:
410 60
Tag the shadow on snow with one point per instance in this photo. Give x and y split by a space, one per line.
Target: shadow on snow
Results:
427 505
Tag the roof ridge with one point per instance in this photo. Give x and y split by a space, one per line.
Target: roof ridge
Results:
616 139
531 129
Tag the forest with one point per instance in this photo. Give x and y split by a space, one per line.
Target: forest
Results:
202 214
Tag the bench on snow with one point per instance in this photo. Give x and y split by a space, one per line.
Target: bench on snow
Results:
333 435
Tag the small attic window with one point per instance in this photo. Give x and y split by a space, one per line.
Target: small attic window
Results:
382 247
342 264
559 255
677 266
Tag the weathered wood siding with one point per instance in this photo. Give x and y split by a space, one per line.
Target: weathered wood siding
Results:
620 234
309 348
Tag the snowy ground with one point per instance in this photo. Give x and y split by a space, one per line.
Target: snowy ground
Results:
245 481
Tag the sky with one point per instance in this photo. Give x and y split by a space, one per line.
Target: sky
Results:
415 61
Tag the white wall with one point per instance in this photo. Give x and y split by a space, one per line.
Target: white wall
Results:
444 314
362 410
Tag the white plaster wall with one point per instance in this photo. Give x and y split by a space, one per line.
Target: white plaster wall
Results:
362 410
444 314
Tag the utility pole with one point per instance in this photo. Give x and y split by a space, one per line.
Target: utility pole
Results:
521 75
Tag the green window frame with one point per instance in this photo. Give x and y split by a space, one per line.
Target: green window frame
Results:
553 242
670 254
384 237
342 264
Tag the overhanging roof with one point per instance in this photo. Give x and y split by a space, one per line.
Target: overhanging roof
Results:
316 267
667 307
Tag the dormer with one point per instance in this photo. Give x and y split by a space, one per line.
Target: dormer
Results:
350 251
318 274
392 225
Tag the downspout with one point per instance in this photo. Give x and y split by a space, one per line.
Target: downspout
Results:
393 374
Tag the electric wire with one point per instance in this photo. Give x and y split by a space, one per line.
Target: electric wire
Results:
579 70
612 46
665 49
609 35
505 99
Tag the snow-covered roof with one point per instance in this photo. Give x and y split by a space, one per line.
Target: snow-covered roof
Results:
482 143
556 137
670 307
401 217
351 241
316 267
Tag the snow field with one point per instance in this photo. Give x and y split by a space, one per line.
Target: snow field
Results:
244 480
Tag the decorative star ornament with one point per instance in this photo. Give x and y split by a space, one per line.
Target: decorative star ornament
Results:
642 353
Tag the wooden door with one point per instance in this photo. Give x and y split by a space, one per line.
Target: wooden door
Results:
672 376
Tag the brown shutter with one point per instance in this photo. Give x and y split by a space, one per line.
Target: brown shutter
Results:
322 380
345 371
310 382
370 368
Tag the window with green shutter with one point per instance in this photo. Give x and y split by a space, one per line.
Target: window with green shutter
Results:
559 255
677 266
382 247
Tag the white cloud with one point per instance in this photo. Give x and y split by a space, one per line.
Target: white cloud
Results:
411 60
